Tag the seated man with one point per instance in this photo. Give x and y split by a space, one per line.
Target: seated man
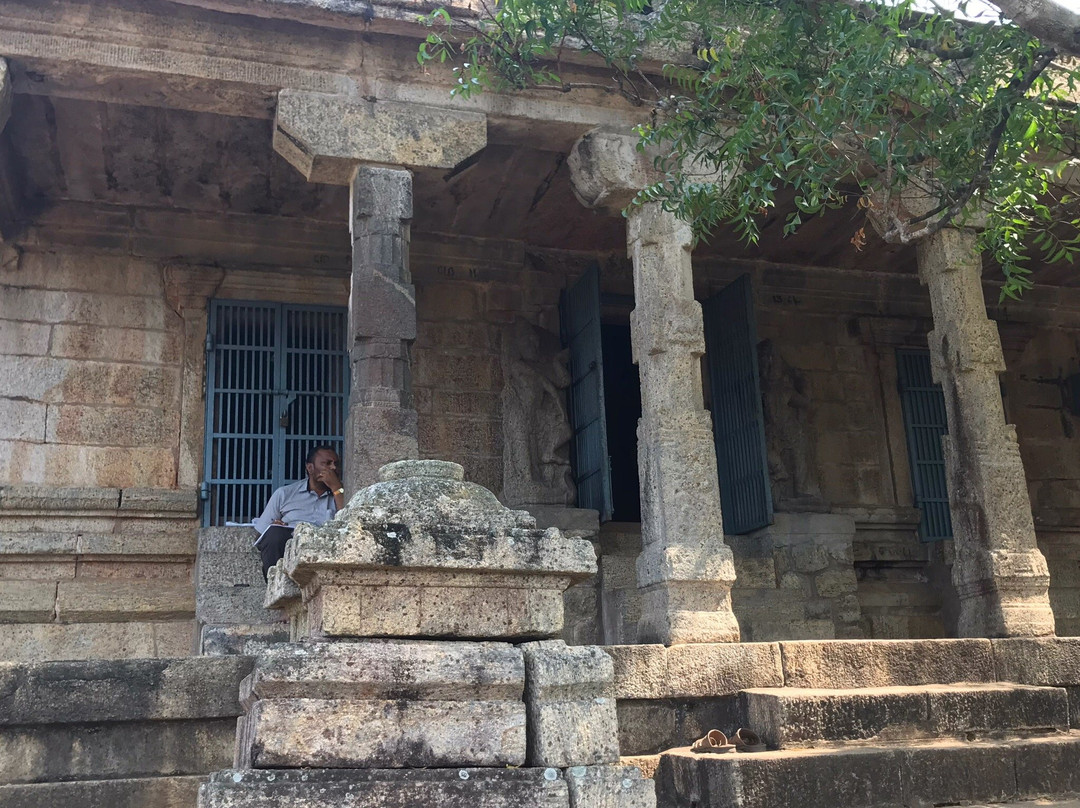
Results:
314 499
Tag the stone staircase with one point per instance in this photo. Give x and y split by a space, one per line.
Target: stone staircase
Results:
879 747
131 733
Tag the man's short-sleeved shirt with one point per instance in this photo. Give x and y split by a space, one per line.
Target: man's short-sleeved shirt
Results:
297 503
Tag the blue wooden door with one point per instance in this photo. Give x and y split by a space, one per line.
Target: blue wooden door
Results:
581 333
738 422
277 385
924 424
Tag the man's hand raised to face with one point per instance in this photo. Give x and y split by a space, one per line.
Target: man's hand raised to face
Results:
323 474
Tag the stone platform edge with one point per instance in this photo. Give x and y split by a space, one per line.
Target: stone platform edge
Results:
710 670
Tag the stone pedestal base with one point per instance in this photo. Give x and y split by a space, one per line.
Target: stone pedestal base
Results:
577 787
379 788
435 603
384 705
422 553
284 595
1002 594
687 611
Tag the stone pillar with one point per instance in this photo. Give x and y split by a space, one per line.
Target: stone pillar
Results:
382 325
685 570
371 146
1000 576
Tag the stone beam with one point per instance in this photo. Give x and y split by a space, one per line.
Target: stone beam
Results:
685 570
112 58
326 136
1000 576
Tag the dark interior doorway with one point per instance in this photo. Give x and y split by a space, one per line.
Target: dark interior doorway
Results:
622 409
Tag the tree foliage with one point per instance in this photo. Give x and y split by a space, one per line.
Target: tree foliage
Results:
819 100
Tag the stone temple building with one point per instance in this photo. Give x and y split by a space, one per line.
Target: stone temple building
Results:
831 494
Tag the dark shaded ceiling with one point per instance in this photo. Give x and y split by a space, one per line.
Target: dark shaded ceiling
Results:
90 151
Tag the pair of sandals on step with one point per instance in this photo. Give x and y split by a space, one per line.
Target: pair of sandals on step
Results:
716 742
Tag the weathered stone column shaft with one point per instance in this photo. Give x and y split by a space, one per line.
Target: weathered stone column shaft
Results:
685 570
382 323
1000 576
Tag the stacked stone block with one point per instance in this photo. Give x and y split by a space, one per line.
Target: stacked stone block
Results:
230 594
404 684
95 573
796 579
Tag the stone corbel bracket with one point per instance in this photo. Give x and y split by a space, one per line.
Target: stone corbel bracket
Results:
608 168
325 136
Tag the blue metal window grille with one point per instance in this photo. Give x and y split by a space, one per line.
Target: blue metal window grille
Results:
277 385
581 332
924 424
738 421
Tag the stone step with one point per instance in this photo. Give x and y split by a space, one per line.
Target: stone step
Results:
126 749
243 640
117 719
142 792
938 772
793 717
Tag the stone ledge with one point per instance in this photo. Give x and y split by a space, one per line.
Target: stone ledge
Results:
114 750
27 601
695 670
161 500
227 539
793 717
710 670
178 544
244 640
885 663
373 733
158 792
1038 661
42 693
445 671
49 500
934 773
89 601
233 605
37 642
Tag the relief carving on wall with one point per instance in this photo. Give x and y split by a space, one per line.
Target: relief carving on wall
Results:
792 457
536 426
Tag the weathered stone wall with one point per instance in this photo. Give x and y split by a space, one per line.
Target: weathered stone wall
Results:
91 573
90 378
470 294
101 436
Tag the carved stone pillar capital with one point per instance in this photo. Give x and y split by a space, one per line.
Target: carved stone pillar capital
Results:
326 136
